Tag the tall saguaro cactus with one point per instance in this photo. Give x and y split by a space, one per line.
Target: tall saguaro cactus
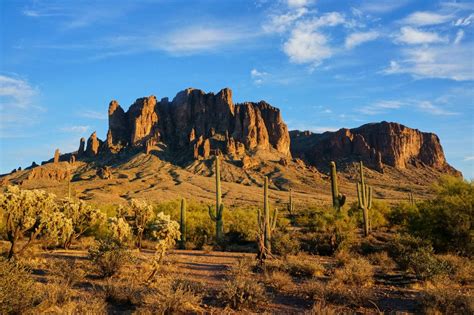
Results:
266 224
411 199
364 196
182 225
291 206
217 217
338 200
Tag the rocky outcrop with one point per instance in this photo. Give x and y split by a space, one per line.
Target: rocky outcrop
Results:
82 145
198 123
56 156
375 144
93 145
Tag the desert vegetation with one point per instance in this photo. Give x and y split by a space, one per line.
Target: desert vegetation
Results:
182 256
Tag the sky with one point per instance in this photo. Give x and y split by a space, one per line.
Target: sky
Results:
326 64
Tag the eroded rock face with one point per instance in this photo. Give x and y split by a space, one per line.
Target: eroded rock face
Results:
375 144
199 123
93 145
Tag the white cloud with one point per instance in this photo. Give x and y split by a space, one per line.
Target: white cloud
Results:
356 39
448 62
75 129
93 114
459 37
465 21
298 3
469 158
382 6
381 107
281 23
432 109
307 46
257 76
16 92
200 39
426 18
410 35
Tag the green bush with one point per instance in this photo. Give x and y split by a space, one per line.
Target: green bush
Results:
447 220
417 256
378 214
284 244
401 213
325 231
108 257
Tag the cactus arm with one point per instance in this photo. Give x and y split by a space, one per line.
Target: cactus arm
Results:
213 217
274 219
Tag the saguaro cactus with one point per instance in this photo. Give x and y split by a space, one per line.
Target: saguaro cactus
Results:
338 200
291 206
266 224
411 199
217 217
182 225
364 196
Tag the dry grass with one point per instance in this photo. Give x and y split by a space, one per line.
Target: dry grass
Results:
447 301
382 260
356 272
278 280
300 266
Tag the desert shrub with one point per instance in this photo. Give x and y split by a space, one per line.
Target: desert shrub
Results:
139 214
17 288
356 272
165 231
82 217
242 292
446 301
278 280
299 266
25 213
67 272
447 219
462 269
124 293
171 297
325 231
53 294
417 256
284 244
378 214
383 260
108 257
119 230
401 213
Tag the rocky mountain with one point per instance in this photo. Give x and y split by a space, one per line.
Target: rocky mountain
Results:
377 144
194 123
163 149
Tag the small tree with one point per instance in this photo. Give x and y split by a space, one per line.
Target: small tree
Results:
82 216
166 232
141 216
25 213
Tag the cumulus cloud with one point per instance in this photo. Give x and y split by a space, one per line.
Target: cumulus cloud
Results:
307 44
410 35
281 23
422 18
356 39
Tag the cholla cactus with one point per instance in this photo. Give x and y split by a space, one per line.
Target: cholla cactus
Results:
82 217
141 215
120 231
24 213
58 228
166 232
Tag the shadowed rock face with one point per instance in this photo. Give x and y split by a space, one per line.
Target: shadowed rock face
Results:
200 123
375 144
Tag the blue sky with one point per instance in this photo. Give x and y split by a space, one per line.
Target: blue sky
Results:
326 64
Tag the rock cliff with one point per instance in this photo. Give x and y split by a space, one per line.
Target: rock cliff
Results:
195 122
377 144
